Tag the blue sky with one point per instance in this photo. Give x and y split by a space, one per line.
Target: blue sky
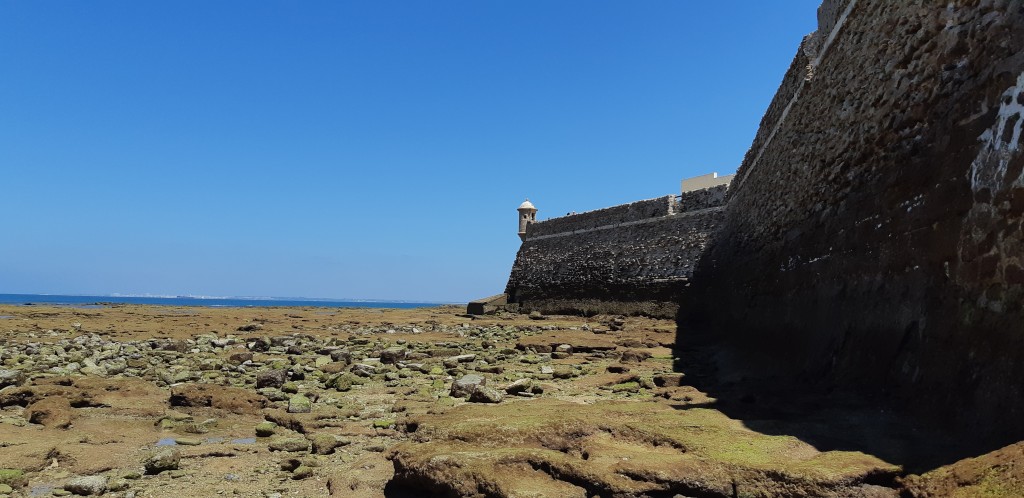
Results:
355 149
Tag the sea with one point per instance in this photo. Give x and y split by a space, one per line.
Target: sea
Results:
211 302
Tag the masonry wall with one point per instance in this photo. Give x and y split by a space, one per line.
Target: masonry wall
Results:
629 259
634 211
873 237
704 198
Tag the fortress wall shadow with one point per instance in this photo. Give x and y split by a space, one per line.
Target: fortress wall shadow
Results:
865 289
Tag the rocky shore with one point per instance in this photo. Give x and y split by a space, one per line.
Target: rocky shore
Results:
135 401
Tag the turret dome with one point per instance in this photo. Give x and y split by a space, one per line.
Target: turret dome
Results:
526 205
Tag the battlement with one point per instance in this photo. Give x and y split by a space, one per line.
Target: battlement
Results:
632 258
605 217
698 193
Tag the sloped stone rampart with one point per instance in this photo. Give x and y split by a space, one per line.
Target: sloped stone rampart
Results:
873 237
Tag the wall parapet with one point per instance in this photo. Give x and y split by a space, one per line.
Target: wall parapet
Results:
644 211
634 211
701 199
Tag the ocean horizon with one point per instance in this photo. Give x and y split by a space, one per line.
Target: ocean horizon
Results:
206 301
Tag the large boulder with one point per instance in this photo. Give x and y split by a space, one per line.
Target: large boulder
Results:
484 394
163 460
271 378
87 486
392 355
11 378
299 404
466 385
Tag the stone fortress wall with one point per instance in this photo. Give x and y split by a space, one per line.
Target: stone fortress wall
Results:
628 259
873 235
873 238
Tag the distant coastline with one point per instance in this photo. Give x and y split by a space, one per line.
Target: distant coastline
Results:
204 301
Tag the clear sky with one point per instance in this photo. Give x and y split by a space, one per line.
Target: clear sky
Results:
354 149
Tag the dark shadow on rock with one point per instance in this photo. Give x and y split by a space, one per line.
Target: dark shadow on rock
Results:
398 489
813 410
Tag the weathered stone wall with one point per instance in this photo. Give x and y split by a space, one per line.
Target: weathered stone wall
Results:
704 198
873 237
634 211
637 266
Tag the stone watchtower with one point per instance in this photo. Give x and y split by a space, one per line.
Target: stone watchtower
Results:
527 215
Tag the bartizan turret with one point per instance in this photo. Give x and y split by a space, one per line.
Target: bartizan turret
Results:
527 215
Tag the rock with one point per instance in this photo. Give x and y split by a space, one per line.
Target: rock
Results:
668 379
11 476
340 355
176 346
259 345
302 472
391 356
535 315
364 370
273 394
232 399
240 357
188 441
93 370
564 348
271 378
484 394
87 486
290 464
163 460
289 444
343 382
453 361
118 485
564 372
222 343
519 386
465 386
11 378
334 367
324 444
5 489
633 356
251 327
624 387
265 429
546 370
299 404
54 412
